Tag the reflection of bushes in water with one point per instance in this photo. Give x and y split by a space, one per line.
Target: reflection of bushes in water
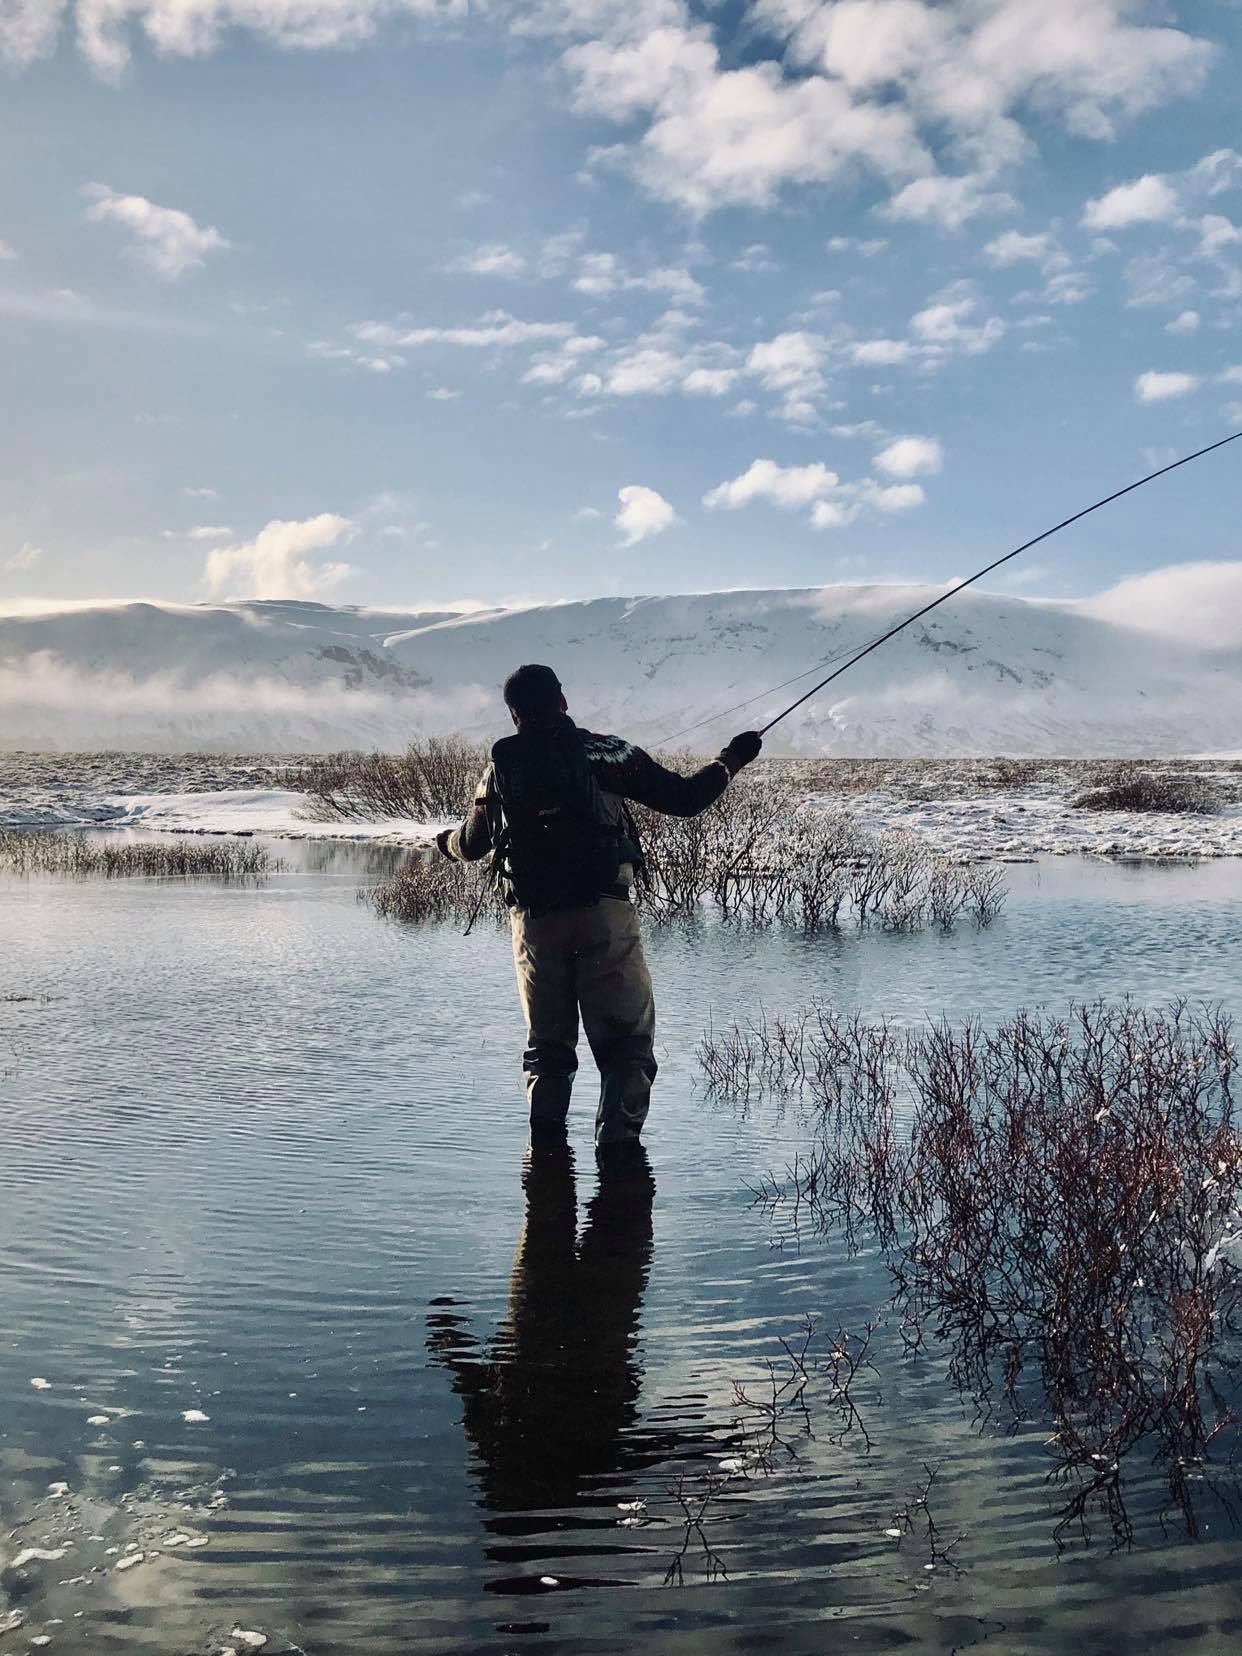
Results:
756 855
431 781
79 855
806 1393
1061 1210
1128 788
762 854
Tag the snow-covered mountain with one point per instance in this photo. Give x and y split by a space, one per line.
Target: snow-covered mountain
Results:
984 674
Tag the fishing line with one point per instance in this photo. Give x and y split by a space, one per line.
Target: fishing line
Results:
952 591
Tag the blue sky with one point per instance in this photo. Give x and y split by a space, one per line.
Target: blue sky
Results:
428 302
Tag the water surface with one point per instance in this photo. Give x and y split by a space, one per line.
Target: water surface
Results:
263 1163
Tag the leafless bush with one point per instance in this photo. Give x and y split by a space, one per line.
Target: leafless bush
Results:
762 854
431 781
80 856
1061 1212
431 887
1130 789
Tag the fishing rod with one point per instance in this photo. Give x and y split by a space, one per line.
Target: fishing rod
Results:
944 597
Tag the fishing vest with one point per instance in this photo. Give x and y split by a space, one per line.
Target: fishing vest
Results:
559 846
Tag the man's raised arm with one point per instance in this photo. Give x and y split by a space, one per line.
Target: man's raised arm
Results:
633 773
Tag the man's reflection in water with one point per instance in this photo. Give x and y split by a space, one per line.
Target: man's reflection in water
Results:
551 1408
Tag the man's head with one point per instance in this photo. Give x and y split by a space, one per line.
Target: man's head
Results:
533 693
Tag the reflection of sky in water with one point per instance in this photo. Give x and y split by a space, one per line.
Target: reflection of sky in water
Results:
252 1136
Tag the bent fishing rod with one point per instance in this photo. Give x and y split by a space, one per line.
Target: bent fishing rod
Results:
952 591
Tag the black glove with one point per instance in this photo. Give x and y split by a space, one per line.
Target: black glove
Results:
741 750
442 839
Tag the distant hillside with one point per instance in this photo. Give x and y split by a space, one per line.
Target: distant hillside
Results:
984 674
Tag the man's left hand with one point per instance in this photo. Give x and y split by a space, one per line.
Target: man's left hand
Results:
442 841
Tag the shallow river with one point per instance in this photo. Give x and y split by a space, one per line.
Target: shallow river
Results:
261 1187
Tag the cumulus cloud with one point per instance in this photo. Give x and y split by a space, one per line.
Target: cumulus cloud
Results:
642 513
1013 247
600 275
911 457
948 326
26 557
1186 322
1155 387
785 486
792 365
1175 203
190 28
165 239
1198 603
950 201
491 259
281 561
871 84
1147 200
833 504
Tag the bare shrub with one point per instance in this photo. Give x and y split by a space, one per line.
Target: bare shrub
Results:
1130 789
431 781
78 855
1061 1212
762 854
430 887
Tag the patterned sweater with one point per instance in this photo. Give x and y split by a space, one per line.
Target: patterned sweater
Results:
622 772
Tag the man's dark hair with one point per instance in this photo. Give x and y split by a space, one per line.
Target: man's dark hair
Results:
533 690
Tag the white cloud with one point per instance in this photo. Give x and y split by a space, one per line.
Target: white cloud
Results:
1154 387
1147 200
833 504
786 486
202 532
709 382
642 513
714 135
791 365
192 28
26 557
491 259
949 201
868 246
166 240
911 457
374 362
202 494
1197 602
1013 247
442 393
495 330
600 275
893 497
6 252
1185 323
281 561
881 353
946 324
1068 287
868 84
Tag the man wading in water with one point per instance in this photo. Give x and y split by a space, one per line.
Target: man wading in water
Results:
551 808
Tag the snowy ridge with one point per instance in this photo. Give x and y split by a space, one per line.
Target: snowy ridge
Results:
984 674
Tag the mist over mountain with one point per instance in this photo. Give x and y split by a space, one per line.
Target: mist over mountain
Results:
986 673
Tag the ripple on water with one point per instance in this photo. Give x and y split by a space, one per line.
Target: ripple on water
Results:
263 1165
